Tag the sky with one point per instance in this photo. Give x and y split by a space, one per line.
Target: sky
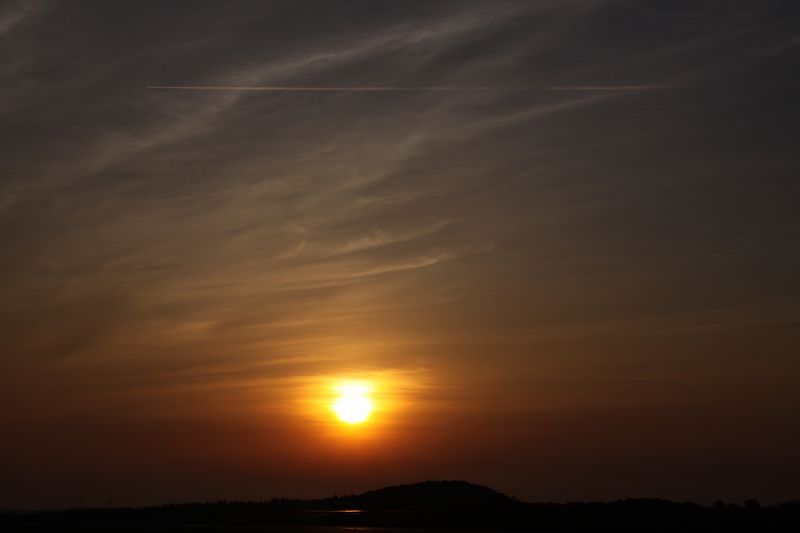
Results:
558 240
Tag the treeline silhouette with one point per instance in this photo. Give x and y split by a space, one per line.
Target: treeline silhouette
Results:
454 505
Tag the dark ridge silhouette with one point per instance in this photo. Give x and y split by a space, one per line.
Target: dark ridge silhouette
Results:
452 505
423 496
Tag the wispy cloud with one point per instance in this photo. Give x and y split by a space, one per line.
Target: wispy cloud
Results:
12 13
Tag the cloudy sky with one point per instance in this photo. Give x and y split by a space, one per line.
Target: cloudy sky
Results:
561 241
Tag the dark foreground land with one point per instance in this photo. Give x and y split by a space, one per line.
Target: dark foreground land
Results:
428 506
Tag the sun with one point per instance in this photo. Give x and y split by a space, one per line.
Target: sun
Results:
353 406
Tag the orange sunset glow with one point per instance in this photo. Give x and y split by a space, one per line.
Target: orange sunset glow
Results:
352 404
257 250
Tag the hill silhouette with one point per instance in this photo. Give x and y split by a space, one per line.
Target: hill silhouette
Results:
423 496
452 505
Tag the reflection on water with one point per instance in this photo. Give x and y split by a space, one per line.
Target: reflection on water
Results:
367 529
339 511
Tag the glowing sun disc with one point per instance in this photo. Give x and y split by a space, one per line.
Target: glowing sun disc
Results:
352 408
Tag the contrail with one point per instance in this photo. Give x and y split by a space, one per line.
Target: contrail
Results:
611 87
382 88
